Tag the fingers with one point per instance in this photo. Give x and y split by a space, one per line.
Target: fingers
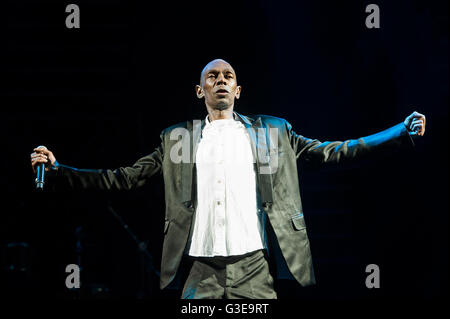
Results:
42 155
417 115
416 123
417 126
42 150
38 158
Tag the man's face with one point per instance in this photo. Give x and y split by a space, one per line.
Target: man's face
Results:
218 85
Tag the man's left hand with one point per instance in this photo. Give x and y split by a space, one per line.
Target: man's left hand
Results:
415 123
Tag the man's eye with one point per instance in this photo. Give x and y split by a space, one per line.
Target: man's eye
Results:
211 76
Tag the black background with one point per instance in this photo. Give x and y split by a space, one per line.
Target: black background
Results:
99 96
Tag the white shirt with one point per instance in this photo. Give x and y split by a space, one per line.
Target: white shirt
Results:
228 218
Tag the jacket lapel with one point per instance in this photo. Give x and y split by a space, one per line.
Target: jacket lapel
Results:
258 138
188 175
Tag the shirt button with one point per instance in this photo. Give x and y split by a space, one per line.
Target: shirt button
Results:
218 203
219 181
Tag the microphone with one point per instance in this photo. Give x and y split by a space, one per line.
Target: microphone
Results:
40 173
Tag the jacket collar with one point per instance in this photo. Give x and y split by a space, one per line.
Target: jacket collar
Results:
238 117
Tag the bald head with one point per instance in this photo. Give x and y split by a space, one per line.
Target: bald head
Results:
214 64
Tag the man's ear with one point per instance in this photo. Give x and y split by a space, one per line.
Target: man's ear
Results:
199 91
238 92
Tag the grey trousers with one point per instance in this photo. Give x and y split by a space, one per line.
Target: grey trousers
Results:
236 277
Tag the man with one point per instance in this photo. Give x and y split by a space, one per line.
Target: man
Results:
232 194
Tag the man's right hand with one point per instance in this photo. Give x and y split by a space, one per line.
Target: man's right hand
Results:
42 155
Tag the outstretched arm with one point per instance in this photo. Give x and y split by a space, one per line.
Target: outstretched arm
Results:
123 178
315 151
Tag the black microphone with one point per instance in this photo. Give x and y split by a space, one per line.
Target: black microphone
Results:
40 173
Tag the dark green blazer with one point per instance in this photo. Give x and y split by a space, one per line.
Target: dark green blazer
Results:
275 151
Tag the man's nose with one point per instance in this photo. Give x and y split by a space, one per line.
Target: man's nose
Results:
221 79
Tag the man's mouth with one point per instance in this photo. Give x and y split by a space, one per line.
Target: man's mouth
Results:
222 92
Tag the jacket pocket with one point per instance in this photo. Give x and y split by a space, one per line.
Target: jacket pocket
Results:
298 221
166 225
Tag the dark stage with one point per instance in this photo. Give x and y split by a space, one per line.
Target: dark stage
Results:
98 96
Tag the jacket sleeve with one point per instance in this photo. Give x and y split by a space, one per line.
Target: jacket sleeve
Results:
123 178
317 152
